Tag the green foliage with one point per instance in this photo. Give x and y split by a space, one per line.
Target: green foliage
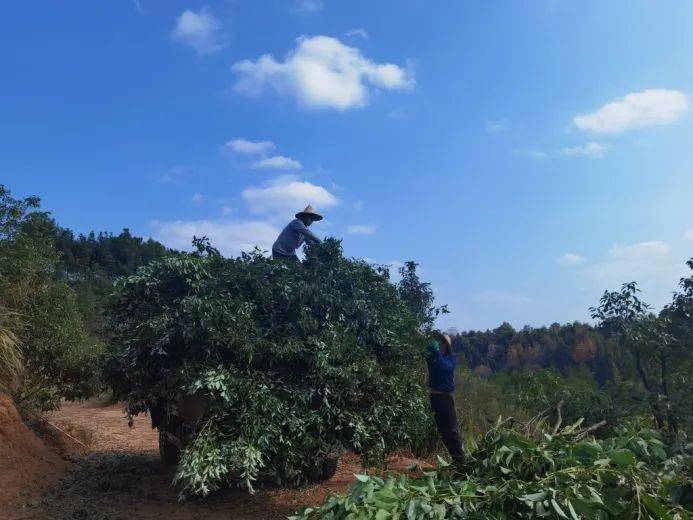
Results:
660 346
90 263
509 475
544 389
296 360
60 360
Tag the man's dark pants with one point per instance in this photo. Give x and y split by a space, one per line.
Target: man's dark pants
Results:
443 406
279 256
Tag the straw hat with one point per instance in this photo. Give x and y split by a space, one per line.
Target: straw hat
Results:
309 212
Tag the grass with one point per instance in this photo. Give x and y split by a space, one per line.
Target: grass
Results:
10 352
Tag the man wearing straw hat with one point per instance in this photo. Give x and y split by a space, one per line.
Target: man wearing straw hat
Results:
441 381
294 234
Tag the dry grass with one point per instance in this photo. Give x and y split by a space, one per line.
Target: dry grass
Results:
10 351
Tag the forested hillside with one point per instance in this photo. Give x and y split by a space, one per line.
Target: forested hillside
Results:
562 347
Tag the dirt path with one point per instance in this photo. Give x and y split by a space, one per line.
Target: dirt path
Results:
120 477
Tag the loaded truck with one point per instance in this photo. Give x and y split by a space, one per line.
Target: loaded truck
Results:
175 419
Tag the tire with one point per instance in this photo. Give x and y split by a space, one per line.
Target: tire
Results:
329 468
168 452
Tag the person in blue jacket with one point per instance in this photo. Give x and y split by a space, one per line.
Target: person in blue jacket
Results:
441 381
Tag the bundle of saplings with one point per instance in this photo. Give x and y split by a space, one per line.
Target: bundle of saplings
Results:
295 360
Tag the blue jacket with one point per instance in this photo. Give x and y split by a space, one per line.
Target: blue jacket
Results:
441 371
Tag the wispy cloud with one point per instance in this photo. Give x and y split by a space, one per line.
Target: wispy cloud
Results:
138 6
308 6
361 229
496 126
397 113
321 72
175 174
532 153
285 194
570 259
592 149
200 30
650 263
357 33
276 162
637 109
247 147
197 198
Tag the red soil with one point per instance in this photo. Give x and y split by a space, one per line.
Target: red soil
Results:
120 477
27 465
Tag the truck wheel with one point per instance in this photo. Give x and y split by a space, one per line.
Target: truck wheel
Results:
329 468
168 452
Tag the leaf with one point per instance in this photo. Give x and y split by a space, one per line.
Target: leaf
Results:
622 457
655 507
534 497
558 509
362 478
381 514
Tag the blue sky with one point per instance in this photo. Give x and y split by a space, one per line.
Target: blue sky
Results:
528 155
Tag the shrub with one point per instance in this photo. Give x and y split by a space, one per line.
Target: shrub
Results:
59 359
509 475
537 391
297 359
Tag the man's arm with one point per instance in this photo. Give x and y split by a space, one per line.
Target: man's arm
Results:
307 233
443 362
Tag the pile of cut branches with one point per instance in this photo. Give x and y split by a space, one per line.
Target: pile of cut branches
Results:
296 360
511 475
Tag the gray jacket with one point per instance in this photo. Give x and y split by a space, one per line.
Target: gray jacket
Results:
291 238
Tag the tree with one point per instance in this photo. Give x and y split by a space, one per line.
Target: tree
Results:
625 318
58 356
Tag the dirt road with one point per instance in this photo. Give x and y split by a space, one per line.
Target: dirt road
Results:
120 477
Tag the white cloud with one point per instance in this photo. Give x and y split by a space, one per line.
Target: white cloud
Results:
308 6
357 33
200 30
138 7
175 174
650 263
246 147
397 113
534 154
228 236
570 259
321 72
496 126
689 234
198 198
637 109
592 149
286 195
276 162
361 229
642 251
